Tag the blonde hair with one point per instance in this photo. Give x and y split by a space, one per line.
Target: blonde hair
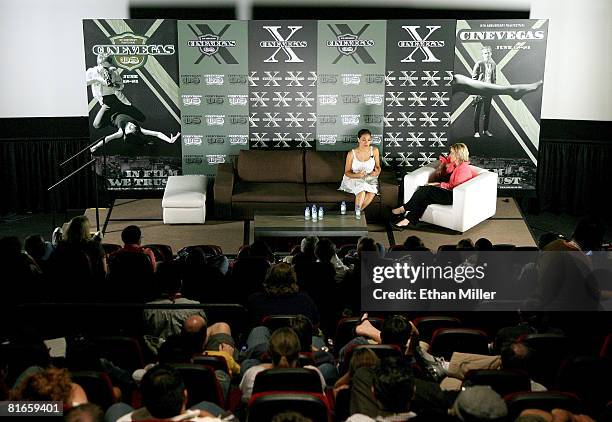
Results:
461 151
78 230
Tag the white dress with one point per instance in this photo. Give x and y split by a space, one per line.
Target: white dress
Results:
368 183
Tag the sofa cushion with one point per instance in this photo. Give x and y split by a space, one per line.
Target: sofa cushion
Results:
185 192
324 167
269 192
327 192
271 166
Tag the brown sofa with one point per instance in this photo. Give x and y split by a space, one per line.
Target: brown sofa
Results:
285 181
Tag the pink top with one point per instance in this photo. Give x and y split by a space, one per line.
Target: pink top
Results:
462 173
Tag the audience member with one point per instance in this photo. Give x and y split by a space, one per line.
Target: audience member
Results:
132 237
78 264
515 356
479 404
325 251
413 243
39 250
361 358
290 416
350 288
159 324
393 389
483 244
51 384
164 396
281 296
214 340
21 271
284 348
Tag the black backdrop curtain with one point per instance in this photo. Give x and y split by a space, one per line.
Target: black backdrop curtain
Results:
574 176
29 166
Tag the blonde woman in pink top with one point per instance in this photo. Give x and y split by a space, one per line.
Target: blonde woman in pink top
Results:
436 192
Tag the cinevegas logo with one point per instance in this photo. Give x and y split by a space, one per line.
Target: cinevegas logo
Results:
284 44
131 51
348 42
419 43
209 43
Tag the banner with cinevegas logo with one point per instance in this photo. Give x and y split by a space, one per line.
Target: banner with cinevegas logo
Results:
419 73
213 66
351 74
132 90
282 84
497 96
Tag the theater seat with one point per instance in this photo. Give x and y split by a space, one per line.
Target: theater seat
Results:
288 379
504 382
543 400
124 352
97 386
345 329
264 406
201 383
163 253
428 324
445 341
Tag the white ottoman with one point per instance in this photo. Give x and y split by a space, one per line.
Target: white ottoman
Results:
185 200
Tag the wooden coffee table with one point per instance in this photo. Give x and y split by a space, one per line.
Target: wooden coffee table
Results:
332 225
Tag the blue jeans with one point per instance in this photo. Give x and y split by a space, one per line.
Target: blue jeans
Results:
118 410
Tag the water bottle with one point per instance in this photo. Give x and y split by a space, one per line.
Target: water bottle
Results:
307 213
313 213
321 212
343 208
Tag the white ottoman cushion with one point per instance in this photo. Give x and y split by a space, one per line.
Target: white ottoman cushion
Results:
185 199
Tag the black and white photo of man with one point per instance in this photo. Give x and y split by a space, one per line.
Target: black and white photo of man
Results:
485 71
106 87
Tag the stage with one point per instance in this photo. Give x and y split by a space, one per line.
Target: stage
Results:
506 226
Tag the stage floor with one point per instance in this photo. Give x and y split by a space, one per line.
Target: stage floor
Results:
507 226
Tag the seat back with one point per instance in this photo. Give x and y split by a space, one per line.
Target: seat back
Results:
445 341
288 379
345 329
504 382
129 277
163 253
109 248
550 350
274 322
201 383
429 324
124 352
218 363
97 386
606 347
264 406
543 400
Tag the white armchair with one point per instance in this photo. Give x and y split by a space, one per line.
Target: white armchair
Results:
473 201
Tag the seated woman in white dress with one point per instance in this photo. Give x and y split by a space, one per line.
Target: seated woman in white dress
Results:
361 172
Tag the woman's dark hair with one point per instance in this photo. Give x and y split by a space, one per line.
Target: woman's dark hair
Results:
394 384
303 328
363 132
362 358
261 249
280 280
284 348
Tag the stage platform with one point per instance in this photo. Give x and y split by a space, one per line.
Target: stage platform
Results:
507 226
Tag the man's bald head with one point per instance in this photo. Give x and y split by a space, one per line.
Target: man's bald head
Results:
194 324
194 331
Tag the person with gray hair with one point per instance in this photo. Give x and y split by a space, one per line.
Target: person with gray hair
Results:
479 403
